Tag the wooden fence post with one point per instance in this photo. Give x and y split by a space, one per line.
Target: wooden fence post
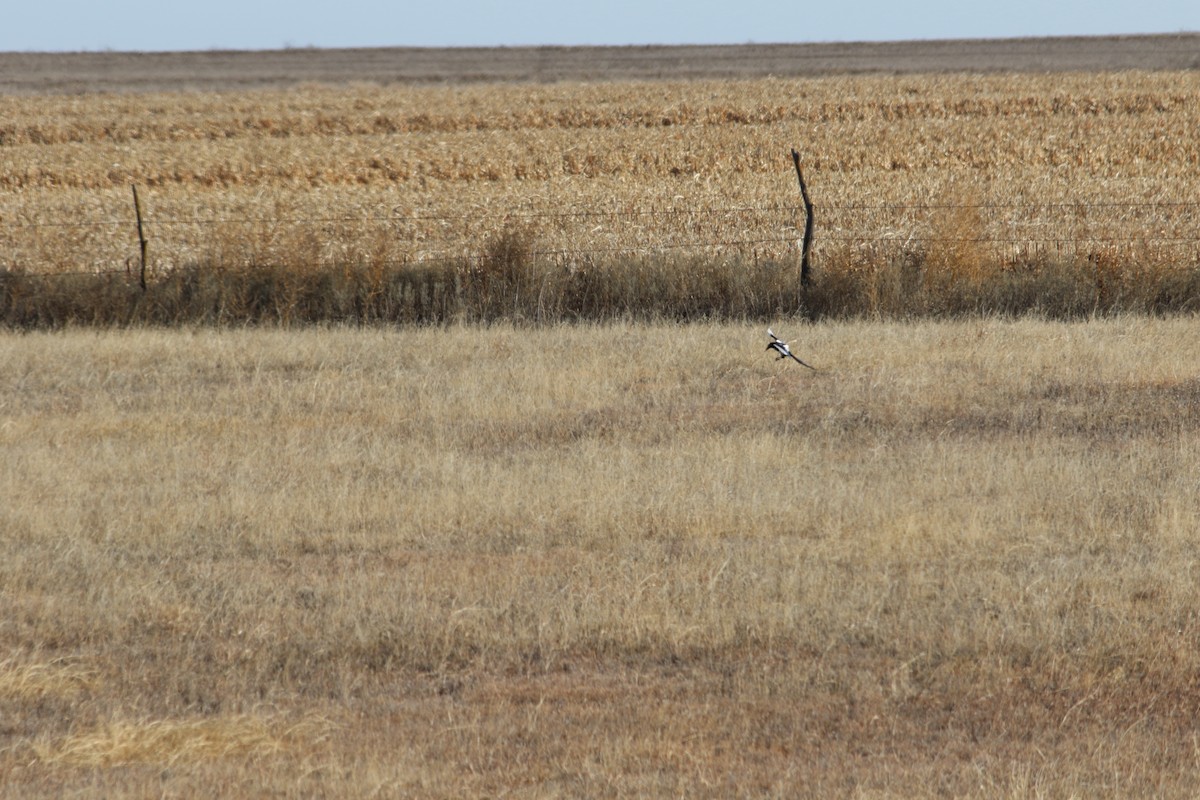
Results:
805 268
137 208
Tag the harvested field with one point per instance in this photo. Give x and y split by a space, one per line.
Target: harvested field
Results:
954 178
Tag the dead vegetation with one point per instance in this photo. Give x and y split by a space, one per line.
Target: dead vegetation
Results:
958 560
636 558
1056 194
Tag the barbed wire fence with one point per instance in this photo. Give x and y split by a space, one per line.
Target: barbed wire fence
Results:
151 243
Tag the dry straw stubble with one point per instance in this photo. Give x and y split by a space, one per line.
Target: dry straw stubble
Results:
1062 172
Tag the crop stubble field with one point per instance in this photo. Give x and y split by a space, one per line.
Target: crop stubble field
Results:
602 560
990 181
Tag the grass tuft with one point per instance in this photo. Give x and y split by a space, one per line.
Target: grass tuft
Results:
174 742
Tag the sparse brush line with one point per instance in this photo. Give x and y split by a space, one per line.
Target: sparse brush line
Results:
440 256
432 257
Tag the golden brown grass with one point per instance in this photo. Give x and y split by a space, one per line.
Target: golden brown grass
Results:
960 559
1074 169
172 742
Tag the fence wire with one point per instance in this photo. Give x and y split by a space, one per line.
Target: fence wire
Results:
575 214
764 231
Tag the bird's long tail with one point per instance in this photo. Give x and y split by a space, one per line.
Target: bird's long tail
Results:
810 366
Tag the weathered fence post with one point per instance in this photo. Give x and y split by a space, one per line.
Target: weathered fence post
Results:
137 208
805 268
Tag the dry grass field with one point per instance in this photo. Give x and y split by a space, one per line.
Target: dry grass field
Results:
624 560
442 457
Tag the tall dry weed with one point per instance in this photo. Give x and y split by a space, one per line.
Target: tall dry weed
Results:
498 282
956 263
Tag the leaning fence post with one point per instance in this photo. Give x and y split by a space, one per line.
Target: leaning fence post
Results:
137 208
805 269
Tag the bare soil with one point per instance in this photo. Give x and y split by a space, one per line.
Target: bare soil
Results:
227 70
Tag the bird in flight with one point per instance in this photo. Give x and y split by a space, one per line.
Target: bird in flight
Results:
781 347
